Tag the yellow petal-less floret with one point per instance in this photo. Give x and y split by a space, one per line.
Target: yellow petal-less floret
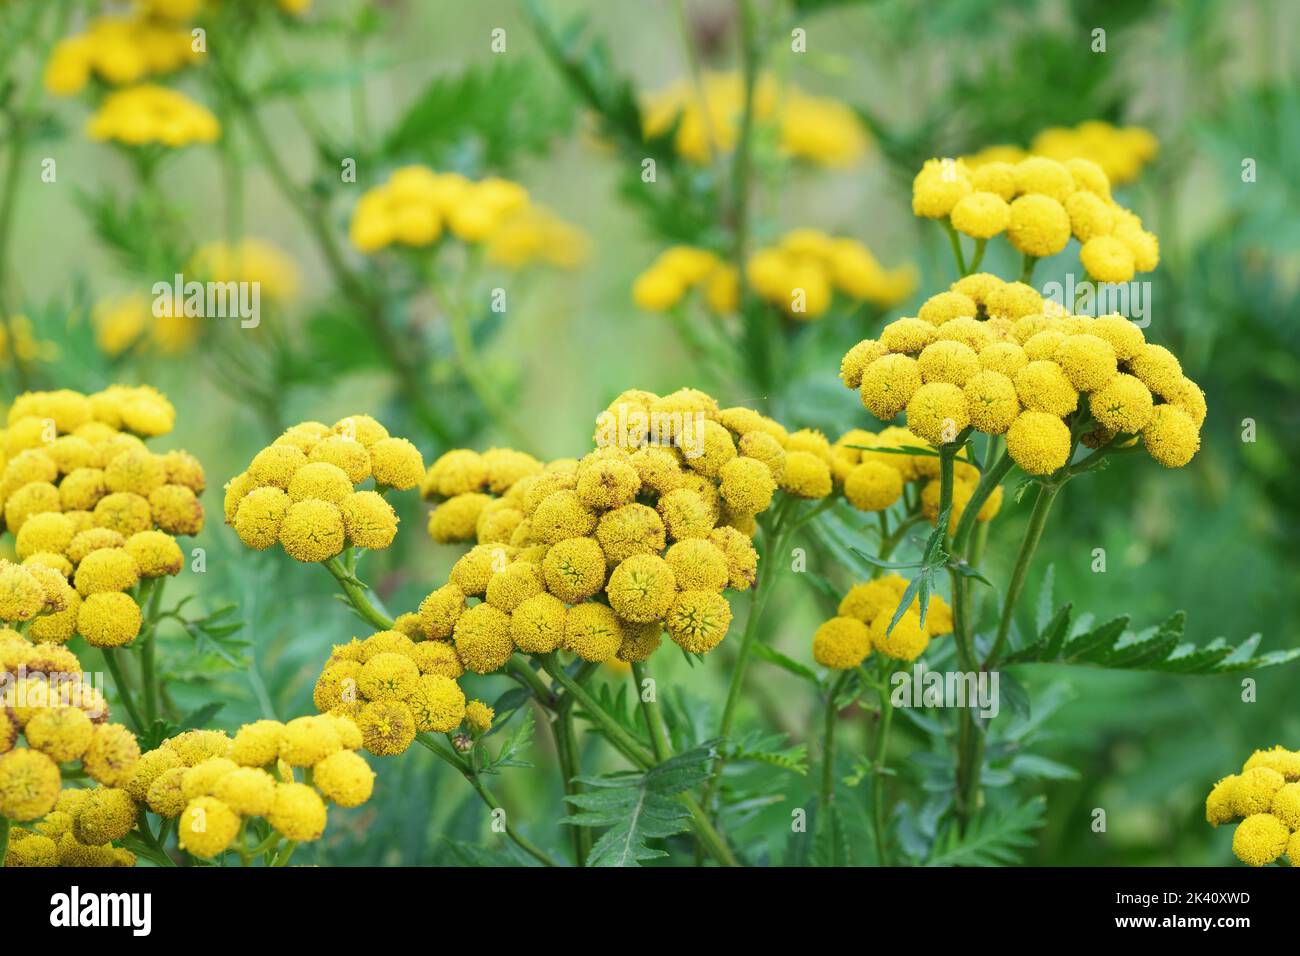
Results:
482 638
1171 437
698 620
1039 225
298 812
1087 360
938 412
908 639
1043 387
345 779
312 530
592 630
207 826
1122 405
1260 839
888 384
841 643
387 727
537 625
1038 442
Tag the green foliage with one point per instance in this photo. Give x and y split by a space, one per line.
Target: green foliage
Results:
481 118
1162 648
637 807
994 837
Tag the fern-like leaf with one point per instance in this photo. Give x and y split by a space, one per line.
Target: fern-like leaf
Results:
994 838
638 807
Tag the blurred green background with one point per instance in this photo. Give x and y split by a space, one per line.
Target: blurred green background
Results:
1216 83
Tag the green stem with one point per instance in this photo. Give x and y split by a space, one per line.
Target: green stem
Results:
879 775
978 257
527 677
123 690
1037 520
4 838
489 395
631 748
828 741
150 595
286 851
485 795
1027 265
358 595
654 717
566 752
955 242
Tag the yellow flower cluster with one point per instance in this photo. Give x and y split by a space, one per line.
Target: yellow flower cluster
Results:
139 115
128 321
1040 204
995 356
679 269
303 490
862 625
51 715
393 685
801 274
599 556
1121 151
118 51
92 510
283 773
1265 797
873 480
417 205
817 129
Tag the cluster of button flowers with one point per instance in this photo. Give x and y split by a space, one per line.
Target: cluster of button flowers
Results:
817 129
862 624
417 205
799 275
1039 203
997 357
1265 797
118 51
211 783
600 556
93 511
148 113
303 490
52 715
397 683
1121 151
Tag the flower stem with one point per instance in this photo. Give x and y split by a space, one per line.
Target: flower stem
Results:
878 772
654 717
150 595
978 257
485 795
123 689
1027 265
828 741
1037 520
358 595
4 838
955 242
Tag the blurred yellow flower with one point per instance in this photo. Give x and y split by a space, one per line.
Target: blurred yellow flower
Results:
152 114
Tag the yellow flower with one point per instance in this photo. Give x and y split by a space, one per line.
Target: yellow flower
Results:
344 778
592 630
369 521
938 187
1286 762
1122 405
537 625
685 514
992 401
259 517
397 463
29 784
147 114
257 744
312 530
479 716
63 734
482 637
1159 370
437 703
1039 225
937 412
888 384
1037 174
1219 804
981 215
871 486
1260 839
298 812
908 639
841 643
387 728
1107 259
698 620
1171 436
1043 387
440 610
1038 442
108 619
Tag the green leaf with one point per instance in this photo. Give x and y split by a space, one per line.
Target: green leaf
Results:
773 656
994 838
519 740
1112 645
637 807
495 112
